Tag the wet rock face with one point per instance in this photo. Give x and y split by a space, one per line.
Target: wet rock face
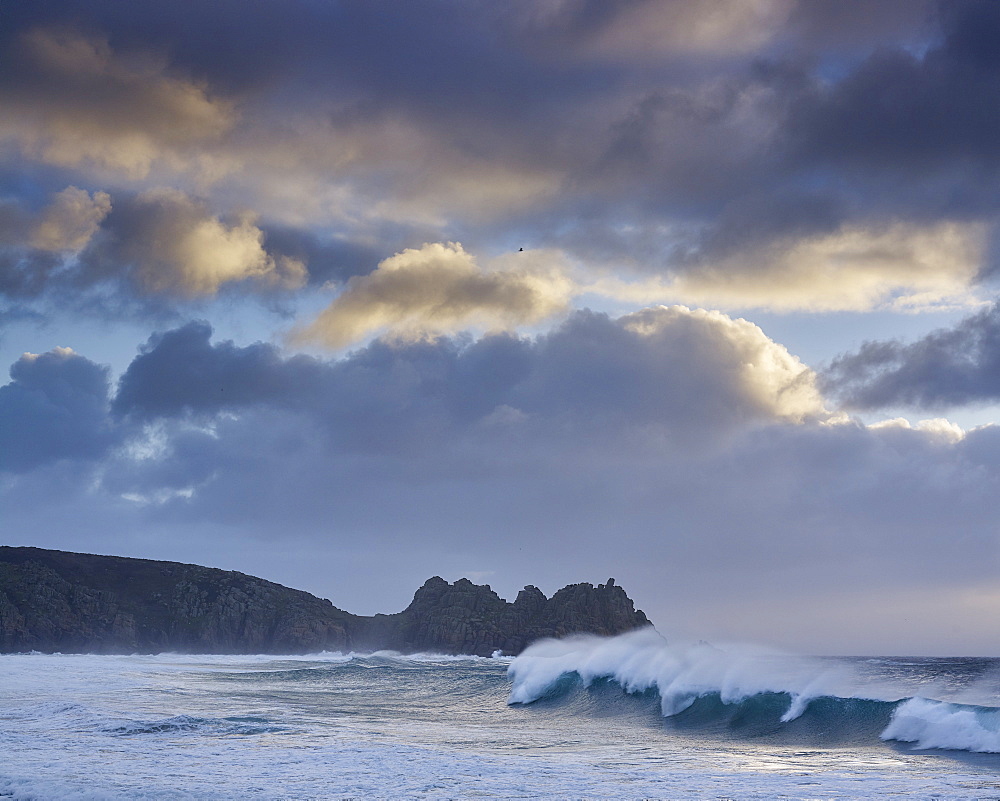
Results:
59 601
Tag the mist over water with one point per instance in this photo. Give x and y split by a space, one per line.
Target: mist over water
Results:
625 717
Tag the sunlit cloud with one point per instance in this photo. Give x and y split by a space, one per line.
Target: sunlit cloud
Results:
64 226
647 32
675 28
71 220
769 377
75 101
440 288
173 244
937 429
902 267
160 242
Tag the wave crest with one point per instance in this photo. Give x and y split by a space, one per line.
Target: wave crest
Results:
642 660
750 689
938 724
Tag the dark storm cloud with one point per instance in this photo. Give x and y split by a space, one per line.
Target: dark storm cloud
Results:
55 407
432 58
180 371
839 148
681 371
382 397
952 367
912 113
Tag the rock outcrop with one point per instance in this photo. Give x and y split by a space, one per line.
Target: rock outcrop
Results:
70 602
466 618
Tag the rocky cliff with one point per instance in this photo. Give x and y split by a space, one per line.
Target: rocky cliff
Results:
70 602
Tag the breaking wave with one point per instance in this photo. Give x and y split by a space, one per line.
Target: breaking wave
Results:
938 724
746 691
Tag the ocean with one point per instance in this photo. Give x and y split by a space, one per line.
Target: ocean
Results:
630 717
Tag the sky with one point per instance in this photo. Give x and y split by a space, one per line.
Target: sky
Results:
698 295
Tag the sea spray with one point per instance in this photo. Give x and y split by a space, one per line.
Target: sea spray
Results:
937 724
836 696
643 660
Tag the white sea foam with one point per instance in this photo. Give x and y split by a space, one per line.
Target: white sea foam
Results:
642 660
680 674
936 724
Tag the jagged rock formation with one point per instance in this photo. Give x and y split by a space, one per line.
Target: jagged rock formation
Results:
69 602
467 618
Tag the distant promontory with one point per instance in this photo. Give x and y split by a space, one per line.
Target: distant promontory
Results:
57 601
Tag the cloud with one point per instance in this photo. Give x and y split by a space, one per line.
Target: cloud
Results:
70 222
673 372
331 260
734 168
440 288
66 225
179 371
912 115
949 367
54 408
769 377
669 29
697 146
937 428
170 243
36 245
900 266
161 242
74 101
650 33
